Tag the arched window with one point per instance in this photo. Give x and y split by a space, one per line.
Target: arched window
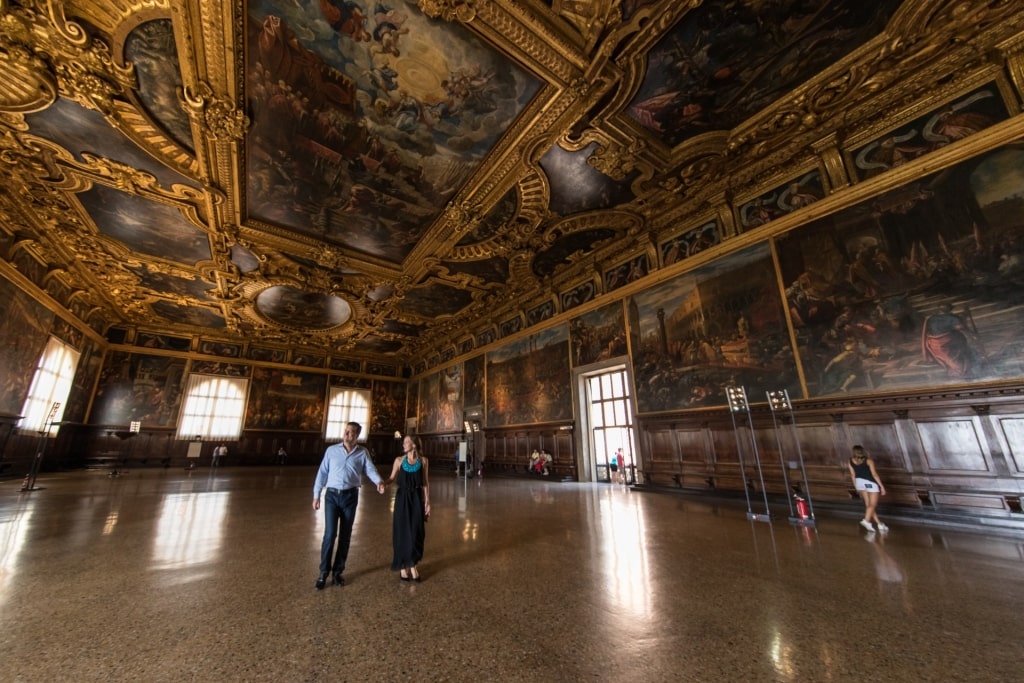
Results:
214 407
347 405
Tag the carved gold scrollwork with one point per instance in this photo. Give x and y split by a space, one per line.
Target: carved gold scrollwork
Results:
219 116
616 161
26 83
449 10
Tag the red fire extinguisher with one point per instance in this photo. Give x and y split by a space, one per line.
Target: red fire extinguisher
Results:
803 510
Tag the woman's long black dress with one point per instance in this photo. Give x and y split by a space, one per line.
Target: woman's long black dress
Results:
408 530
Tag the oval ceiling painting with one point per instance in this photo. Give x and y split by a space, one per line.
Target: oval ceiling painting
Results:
294 308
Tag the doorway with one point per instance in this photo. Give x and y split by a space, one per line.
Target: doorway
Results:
607 412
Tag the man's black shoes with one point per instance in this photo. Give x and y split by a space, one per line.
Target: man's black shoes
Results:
339 580
321 582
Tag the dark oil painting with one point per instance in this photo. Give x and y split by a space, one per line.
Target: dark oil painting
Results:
387 407
578 295
281 399
954 121
25 324
725 61
394 109
722 324
473 382
528 380
691 242
598 335
151 49
150 227
440 401
782 200
79 130
917 287
85 378
624 273
138 387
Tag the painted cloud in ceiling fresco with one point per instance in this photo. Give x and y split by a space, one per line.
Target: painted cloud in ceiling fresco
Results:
150 48
725 61
365 123
78 130
146 226
577 186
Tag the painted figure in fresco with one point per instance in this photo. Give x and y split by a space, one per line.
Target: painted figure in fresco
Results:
389 29
945 340
346 17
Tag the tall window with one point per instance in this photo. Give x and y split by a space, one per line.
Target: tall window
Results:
347 405
214 407
50 385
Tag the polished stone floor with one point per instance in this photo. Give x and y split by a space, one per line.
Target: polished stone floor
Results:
169 576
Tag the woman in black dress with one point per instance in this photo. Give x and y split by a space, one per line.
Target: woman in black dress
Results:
412 509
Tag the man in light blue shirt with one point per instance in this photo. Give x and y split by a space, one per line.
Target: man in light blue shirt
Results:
341 473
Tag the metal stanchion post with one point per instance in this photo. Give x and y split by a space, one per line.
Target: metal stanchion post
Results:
737 397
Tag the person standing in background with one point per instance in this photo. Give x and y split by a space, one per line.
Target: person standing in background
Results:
219 452
869 485
341 472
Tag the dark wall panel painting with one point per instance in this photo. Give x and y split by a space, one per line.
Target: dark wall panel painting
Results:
627 272
917 287
598 335
955 121
25 326
719 325
388 407
279 399
441 401
781 200
690 242
85 377
528 380
473 382
136 387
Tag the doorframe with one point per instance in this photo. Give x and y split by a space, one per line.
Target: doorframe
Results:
586 462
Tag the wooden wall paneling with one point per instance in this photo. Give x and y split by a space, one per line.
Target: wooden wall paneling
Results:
1010 432
658 461
953 445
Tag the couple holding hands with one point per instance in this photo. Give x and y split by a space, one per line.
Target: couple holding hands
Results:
341 472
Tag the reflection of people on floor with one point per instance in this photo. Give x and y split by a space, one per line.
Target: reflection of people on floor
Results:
945 340
890 575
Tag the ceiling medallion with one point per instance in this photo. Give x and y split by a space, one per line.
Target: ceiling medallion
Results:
296 309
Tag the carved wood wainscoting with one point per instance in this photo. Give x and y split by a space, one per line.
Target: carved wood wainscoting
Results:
508 449
953 452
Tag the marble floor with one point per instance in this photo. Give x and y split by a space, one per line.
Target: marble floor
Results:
208 576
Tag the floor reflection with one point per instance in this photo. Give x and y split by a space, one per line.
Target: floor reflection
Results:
189 529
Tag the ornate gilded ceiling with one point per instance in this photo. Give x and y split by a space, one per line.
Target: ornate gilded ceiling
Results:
403 181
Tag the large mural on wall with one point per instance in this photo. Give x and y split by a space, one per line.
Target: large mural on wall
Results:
138 387
24 327
387 407
917 287
528 380
85 377
598 335
284 399
440 401
719 325
473 382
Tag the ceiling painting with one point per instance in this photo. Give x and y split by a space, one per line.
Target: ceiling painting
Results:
145 226
577 186
151 48
80 130
295 308
725 61
365 124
